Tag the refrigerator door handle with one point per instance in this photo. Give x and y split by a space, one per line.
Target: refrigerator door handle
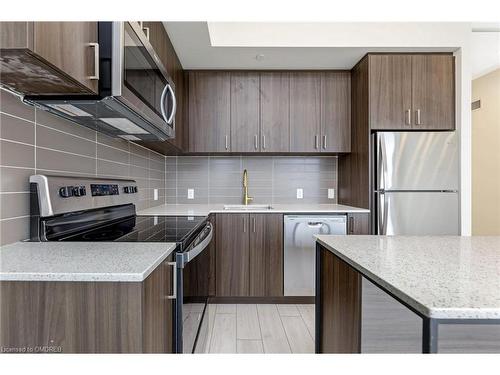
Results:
383 206
381 167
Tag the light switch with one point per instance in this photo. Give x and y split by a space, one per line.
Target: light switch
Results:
190 193
300 193
155 194
331 193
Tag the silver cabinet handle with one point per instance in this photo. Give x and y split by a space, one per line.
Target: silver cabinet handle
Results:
244 224
316 145
174 284
254 224
351 225
324 142
95 46
263 141
408 117
255 140
146 31
226 142
417 120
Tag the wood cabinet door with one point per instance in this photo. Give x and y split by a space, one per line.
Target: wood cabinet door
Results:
275 112
158 334
358 223
209 112
336 112
66 46
266 255
232 259
245 135
390 92
433 92
305 106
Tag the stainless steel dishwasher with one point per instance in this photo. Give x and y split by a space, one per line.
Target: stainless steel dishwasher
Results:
299 272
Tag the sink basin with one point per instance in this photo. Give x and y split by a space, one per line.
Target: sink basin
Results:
249 207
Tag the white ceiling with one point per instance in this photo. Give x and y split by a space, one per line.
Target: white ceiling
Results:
485 54
232 45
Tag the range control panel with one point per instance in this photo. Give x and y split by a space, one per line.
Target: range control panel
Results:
100 190
130 189
72 191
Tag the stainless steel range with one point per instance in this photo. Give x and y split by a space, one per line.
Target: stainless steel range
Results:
97 209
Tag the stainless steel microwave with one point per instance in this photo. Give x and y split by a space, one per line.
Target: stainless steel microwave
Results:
136 98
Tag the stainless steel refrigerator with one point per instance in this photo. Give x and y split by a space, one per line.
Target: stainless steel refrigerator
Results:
416 177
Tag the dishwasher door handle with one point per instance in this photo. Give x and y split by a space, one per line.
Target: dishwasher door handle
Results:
315 224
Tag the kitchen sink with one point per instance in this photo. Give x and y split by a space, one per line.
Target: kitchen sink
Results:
249 207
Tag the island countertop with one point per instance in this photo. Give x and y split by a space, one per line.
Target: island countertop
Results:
443 277
81 261
206 209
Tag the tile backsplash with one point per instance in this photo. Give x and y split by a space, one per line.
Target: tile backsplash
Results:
272 179
34 141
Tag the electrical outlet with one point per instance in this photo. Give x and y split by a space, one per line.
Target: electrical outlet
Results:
155 194
331 193
190 193
300 193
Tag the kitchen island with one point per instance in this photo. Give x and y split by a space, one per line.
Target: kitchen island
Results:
442 279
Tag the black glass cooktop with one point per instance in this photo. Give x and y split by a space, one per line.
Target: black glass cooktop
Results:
144 229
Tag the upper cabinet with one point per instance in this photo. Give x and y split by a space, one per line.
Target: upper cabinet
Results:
411 92
275 112
305 106
209 111
336 112
47 58
245 132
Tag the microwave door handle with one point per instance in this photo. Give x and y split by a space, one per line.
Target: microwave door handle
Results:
162 103
174 105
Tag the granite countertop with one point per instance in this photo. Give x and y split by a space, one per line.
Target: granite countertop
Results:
440 276
81 261
206 209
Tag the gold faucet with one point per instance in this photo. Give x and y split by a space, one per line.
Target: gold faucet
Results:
246 198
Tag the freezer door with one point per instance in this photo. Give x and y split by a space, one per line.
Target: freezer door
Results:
416 161
417 213
299 252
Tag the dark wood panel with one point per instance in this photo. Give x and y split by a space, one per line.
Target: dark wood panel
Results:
358 223
209 112
336 112
232 260
339 306
65 45
354 168
245 135
275 111
75 317
390 91
433 92
158 310
305 106
16 35
266 255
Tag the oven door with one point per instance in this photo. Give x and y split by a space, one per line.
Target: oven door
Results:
192 293
140 81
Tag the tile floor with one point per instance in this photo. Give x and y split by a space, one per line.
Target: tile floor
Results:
266 328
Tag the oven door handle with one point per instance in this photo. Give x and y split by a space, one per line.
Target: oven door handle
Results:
195 251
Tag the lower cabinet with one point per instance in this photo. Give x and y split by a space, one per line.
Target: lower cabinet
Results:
249 255
358 223
88 317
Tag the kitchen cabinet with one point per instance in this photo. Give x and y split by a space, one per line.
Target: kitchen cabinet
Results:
56 57
90 317
411 92
233 255
305 106
336 112
266 255
358 223
249 255
433 92
245 128
209 111
275 112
